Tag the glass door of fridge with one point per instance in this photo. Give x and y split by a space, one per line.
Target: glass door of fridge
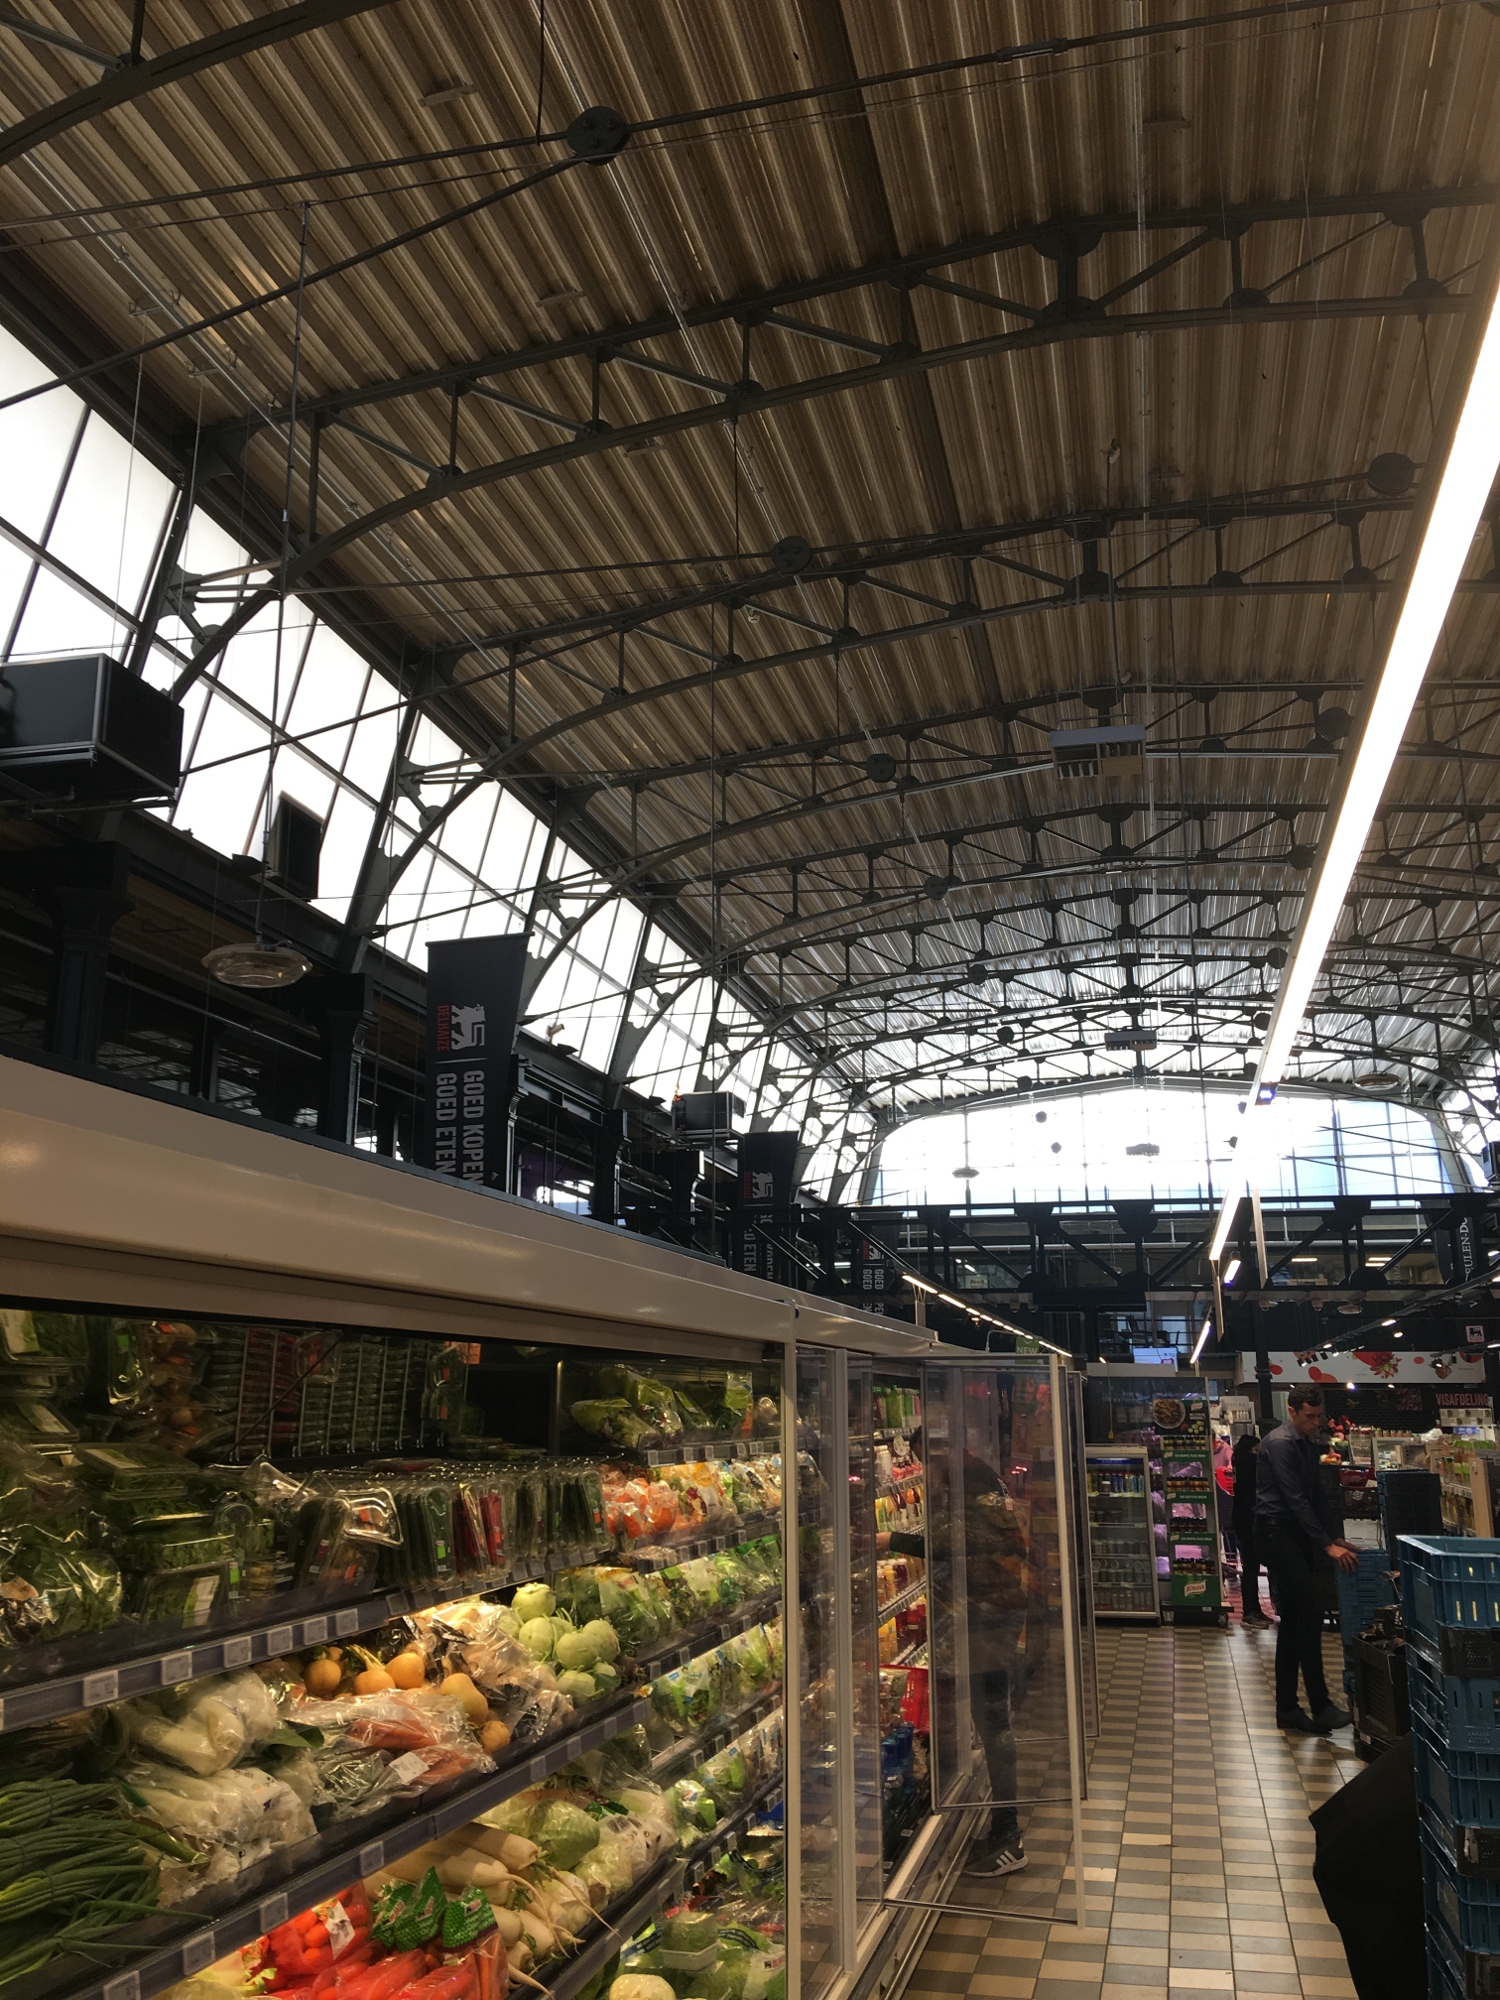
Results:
1005 1666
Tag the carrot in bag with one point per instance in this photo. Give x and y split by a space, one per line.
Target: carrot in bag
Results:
385 1977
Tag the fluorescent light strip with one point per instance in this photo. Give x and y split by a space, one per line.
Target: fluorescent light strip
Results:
1203 1332
1458 504
987 1319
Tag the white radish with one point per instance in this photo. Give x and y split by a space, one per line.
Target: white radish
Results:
539 1935
508 1923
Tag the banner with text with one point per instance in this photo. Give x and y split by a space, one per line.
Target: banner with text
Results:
473 1006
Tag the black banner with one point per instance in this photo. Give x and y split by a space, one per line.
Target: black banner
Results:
473 1005
767 1174
876 1275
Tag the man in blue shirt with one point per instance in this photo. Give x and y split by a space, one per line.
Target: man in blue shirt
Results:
1291 1526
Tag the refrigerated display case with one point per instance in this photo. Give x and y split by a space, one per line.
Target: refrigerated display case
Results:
901 1600
1122 1547
436 1528
1168 1416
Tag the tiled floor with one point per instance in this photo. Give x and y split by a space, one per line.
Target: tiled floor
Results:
1198 1854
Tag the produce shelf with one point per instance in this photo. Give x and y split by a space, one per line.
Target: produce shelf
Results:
894 1604
202 1937
618 1922
723 1733
681 1648
687 1451
661 1555
727 1832
44 1699
909 1657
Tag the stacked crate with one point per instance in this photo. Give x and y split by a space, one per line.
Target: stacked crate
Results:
1450 1600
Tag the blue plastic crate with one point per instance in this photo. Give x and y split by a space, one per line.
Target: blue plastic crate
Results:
1460 1786
1457 1714
1466 1906
1444 1980
1449 1580
1363 1591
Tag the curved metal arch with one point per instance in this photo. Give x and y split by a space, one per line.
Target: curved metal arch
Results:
1209 224
448 485
130 81
949 979
855 562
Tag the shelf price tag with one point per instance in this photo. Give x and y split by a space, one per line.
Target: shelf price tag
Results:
237 1652
176 1667
372 1858
314 1631
346 1622
271 1913
197 1953
126 1987
97 1688
278 1641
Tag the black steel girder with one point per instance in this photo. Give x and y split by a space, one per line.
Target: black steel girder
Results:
750 399
130 79
1207 223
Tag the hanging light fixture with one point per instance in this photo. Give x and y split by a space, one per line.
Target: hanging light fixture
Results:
257 966
1452 516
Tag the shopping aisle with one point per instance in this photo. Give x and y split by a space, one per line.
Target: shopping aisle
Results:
1198 1852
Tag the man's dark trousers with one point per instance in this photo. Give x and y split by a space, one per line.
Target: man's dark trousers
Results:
1290 1558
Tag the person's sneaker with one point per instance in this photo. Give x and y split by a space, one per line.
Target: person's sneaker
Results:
1330 1718
1256 1621
1297 1720
997 1858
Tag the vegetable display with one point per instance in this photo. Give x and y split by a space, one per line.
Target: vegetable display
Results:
188 1800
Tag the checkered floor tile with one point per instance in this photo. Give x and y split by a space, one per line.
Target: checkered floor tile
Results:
1197 1851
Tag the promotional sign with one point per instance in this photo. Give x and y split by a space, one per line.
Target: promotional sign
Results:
473 1005
876 1275
767 1177
1368 1364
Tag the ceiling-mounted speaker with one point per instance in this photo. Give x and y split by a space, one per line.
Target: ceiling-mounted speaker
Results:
83 727
1115 752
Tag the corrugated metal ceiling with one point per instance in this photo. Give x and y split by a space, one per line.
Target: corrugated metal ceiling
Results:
1307 112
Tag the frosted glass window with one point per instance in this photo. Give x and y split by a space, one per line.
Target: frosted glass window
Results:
368 760
35 439
466 830
111 517
327 700
344 841
1161 1142
14 570
60 619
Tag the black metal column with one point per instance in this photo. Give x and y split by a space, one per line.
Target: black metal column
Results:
83 891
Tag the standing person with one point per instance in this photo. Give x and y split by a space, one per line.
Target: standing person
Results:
1246 1451
997 1566
1291 1527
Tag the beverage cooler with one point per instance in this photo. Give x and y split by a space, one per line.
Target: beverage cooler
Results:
406 1594
1165 1417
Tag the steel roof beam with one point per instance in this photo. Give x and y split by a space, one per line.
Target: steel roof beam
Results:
899 272
853 563
751 400
128 81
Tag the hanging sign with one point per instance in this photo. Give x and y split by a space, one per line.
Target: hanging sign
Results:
1368 1364
767 1176
473 1005
877 1276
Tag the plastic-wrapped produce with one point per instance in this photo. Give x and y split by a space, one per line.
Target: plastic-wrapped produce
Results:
53 1583
687 1698
205 1726
242 1809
